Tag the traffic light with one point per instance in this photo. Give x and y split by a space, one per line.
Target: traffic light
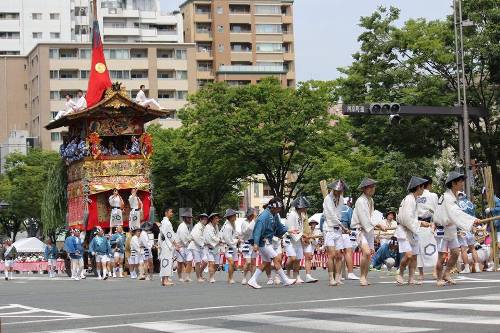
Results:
384 108
394 119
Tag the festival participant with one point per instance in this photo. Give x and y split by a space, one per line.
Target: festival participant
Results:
466 238
231 238
99 248
493 211
332 210
73 245
184 255
8 255
117 242
213 242
249 257
117 204
407 231
293 241
168 244
81 104
310 246
51 257
142 100
390 224
135 203
388 255
146 273
197 246
68 107
349 244
450 217
363 225
267 226
426 206
135 258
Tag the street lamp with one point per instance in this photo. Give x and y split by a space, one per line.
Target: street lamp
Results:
463 128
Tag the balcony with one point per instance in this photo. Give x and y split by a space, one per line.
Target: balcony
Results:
204 55
205 75
127 31
287 19
120 12
241 37
246 69
288 37
202 17
203 36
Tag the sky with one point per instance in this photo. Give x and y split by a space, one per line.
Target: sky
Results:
326 31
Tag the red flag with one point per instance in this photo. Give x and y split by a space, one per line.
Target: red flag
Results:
99 79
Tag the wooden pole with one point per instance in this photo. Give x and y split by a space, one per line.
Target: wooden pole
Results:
94 9
488 182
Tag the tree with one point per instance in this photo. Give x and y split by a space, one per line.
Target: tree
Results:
262 129
26 178
54 202
415 64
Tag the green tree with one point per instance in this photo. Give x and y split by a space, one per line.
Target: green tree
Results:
54 201
262 129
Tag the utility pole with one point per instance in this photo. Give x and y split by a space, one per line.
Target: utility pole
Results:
462 91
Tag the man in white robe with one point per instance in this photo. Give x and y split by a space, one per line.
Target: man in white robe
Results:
231 238
184 255
81 104
249 257
117 204
135 203
213 241
142 100
197 246
68 107
408 229
168 244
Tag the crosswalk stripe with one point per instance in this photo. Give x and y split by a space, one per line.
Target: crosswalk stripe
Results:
325 325
175 327
485 297
74 331
425 316
442 305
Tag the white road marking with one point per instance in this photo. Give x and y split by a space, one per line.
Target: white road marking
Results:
443 305
174 327
486 297
238 306
424 316
324 325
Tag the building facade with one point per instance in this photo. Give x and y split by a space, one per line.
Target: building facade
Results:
25 23
241 41
41 80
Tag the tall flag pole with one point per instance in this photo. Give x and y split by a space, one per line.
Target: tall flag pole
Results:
99 79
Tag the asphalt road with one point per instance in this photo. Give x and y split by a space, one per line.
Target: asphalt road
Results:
124 305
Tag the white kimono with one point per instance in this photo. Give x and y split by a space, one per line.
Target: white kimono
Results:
135 249
197 238
134 219
409 225
144 101
81 104
451 216
362 219
212 239
333 212
166 239
116 218
295 223
230 237
184 234
427 204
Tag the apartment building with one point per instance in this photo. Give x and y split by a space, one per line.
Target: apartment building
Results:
241 41
39 82
25 23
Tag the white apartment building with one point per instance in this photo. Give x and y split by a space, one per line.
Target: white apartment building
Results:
25 23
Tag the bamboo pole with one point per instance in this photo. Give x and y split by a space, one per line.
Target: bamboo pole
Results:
488 182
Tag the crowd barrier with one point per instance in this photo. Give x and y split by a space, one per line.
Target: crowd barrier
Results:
36 266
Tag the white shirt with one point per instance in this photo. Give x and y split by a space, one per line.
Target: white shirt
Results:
165 229
184 234
81 104
114 201
295 224
141 96
144 240
427 204
211 235
332 211
407 218
197 235
135 244
247 230
454 216
362 213
69 105
229 234
133 201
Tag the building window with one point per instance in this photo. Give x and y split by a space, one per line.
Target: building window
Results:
203 28
54 95
241 47
221 48
85 53
256 189
54 16
204 47
239 9
181 95
267 190
9 16
204 66
237 83
202 9
81 29
68 74
181 75
53 114
162 53
10 53
54 74
269 47
166 74
220 28
36 16
166 94
54 53
37 35
240 28
9 35
220 10
267 10
139 74
68 53
55 35
117 54
268 28
84 74
138 53
180 54
122 75
55 136
81 11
